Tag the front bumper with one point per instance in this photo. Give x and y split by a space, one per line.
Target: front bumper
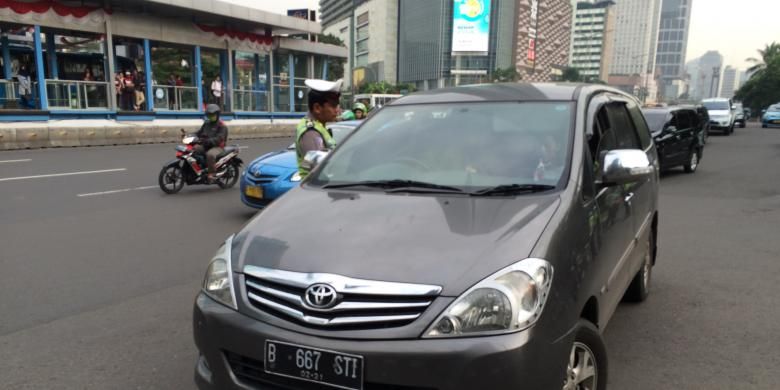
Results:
271 191
231 357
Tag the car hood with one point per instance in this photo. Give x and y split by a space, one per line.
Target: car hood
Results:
719 113
451 241
282 159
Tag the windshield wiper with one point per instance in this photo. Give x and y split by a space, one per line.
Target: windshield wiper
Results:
399 185
512 189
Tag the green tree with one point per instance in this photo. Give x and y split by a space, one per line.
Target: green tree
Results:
763 88
505 75
571 74
335 64
767 54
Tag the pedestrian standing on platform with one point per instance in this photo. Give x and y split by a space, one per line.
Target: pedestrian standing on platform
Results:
216 91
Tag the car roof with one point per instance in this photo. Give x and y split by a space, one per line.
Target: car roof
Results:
499 92
715 100
668 109
352 123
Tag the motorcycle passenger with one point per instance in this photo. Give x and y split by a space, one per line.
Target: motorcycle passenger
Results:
360 111
212 137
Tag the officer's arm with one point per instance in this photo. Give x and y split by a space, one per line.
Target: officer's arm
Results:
311 140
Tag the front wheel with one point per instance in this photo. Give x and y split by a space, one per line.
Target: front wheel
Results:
229 178
171 179
693 162
587 368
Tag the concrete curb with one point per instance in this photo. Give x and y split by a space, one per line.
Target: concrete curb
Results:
112 133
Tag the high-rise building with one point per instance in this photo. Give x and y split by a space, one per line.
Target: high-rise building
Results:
672 46
592 38
710 70
433 52
636 37
334 11
543 38
374 57
743 78
729 84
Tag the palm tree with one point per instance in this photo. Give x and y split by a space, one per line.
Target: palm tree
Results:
768 53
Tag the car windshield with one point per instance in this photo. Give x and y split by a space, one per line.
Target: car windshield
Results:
468 146
717 105
656 119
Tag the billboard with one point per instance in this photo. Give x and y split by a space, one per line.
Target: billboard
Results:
531 60
470 26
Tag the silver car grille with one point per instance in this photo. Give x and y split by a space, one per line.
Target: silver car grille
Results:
355 304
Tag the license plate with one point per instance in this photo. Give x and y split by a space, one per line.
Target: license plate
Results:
776 122
336 369
254 192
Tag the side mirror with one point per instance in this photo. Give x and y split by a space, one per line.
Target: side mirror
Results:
313 158
625 166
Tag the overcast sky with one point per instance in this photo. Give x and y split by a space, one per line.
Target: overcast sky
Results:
735 28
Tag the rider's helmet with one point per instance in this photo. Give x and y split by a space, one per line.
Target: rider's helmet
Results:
359 107
347 116
212 112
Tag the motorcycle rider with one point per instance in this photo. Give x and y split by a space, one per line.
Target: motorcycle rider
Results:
213 136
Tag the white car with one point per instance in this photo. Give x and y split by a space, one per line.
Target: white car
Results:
722 116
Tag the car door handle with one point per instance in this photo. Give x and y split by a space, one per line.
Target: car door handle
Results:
628 197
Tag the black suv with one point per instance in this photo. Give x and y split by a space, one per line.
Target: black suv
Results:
679 136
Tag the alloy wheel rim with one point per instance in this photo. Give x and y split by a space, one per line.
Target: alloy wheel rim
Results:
581 372
172 178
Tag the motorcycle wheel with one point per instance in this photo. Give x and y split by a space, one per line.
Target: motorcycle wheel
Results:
171 179
230 178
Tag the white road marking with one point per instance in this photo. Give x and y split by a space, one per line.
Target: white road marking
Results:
14 161
243 147
62 174
116 191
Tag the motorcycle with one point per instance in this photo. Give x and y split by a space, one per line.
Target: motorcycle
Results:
190 167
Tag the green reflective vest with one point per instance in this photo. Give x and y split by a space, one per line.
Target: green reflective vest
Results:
305 125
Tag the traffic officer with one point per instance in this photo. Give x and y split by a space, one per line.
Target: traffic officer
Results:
311 133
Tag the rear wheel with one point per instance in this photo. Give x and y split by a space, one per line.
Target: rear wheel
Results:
171 179
587 368
693 161
229 178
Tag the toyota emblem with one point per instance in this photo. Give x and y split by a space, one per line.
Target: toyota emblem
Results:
320 296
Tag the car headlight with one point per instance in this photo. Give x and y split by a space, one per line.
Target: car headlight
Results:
508 301
218 282
295 177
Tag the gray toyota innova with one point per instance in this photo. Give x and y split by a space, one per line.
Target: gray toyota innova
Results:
467 238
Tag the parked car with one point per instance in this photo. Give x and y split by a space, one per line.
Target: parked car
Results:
721 114
771 116
271 175
677 133
475 237
739 115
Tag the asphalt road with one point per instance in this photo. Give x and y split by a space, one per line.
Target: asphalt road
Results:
96 290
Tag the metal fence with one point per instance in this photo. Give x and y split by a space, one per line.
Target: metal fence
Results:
175 98
10 99
250 100
77 95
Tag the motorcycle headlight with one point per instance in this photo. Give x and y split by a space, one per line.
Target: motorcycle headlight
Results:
218 282
296 177
508 301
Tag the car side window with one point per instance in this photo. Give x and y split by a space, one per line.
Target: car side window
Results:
641 125
622 126
606 138
683 120
694 118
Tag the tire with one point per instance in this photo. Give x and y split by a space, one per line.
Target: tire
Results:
587 342
742 125
764 126
171 179
693 161
230 178
640 286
